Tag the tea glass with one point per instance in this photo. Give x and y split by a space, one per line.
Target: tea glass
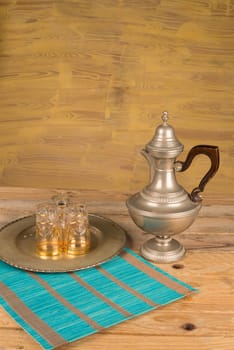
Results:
49 231
77 235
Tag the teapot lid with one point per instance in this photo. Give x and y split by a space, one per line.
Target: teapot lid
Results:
165 144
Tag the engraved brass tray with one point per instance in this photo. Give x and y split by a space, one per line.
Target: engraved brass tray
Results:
17 246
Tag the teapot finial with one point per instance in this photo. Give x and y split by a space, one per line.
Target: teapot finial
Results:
165 117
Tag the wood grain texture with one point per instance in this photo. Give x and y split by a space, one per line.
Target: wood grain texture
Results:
208 265
83 84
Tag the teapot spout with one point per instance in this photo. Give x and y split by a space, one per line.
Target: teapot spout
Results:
150 160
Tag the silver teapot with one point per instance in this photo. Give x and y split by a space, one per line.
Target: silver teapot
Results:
164 208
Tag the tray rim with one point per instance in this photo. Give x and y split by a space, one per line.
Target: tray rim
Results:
53 270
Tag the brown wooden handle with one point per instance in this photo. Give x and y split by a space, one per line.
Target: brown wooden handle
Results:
213 153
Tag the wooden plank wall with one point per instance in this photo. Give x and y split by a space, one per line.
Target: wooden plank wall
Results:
83 84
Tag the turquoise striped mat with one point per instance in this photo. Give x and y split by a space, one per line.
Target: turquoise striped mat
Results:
56 309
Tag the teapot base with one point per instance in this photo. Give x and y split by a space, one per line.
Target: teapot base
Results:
162 250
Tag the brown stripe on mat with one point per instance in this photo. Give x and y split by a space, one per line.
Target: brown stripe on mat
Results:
155 274
101 296
31 318
126 287
68 305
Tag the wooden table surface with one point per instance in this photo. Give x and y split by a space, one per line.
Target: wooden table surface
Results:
201 321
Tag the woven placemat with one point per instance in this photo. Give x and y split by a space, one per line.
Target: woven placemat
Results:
56 309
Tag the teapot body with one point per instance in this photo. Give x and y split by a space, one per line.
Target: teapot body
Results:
163 206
